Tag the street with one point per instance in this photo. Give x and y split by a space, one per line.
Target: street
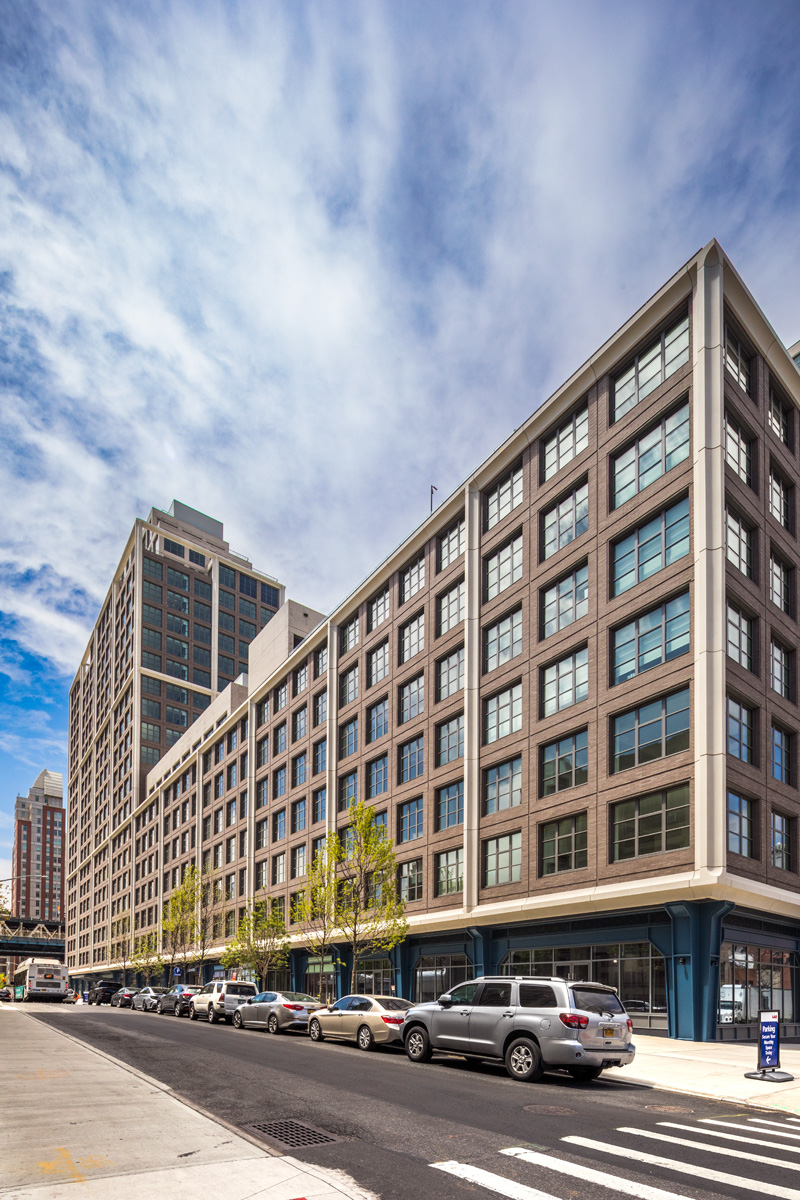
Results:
450 1129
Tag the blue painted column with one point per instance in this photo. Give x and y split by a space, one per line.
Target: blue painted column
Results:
691 949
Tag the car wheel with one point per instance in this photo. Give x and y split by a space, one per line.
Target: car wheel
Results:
585 1074
315 1032
212 1016
418 1045
364 1038
524 1060
160 1009
272 1024
237 1020
176 1009
192 1014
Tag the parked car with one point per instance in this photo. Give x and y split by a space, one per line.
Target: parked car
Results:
147 999
276 1011
102 991
366 1020
124 997
177 1000
219 1000
6 993
531 1024
71 997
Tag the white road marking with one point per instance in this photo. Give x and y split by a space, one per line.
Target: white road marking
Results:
492 1182
766 1132
656 1160
732 1137
776 1124
727 1151
643 1191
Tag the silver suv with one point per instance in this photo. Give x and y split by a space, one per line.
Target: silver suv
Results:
530 1023
219 1000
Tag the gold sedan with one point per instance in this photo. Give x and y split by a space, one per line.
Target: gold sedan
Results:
366 1020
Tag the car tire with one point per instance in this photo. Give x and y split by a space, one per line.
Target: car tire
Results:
212 1016
365 1038
237 1020
160 1009
192 1014
585 1074
176 1009
273 1025
315 1032
418 1045
524 1060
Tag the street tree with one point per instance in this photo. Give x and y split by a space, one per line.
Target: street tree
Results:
315 909
369 910
147 960
180 920
122 943
260 944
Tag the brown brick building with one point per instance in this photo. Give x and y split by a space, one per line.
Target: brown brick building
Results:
572 691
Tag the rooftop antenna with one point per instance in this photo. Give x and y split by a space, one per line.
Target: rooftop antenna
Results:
433 489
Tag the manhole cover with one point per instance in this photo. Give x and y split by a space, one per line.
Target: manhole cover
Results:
668 1108
549 1110
292 1133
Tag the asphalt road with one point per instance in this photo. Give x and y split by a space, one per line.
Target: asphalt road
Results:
394 1119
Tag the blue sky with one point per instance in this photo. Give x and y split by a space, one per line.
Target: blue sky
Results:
282 261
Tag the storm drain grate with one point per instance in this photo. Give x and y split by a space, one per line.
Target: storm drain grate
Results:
294 1134
668 1108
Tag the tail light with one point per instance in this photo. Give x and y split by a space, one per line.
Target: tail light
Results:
221 997
573 1020
294 1007
630 1025
393 1020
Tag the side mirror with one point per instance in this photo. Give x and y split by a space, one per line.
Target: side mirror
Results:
249 999
445 1001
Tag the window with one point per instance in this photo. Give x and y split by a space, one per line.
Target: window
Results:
412 698
651 824
411 759
300 724
565 763
150 733
227 600
299 769
653 638
348 738
378 777
568 441
279 825
563 845
269 595
378 610
378 664
738 450
649 548
565 601
320 756
300 675
780 669
153 616
452 543
412 578
412 637
280 739
502 497
450 607
737 360
655 453
151 591
320 661
177 579
348 636
298 862
450 674
152 568
450 740
651 367
409 880
652 731
279 783
410 820
320 708
502 860
151 638
449 871
739 639
502 786
502 714
566 520
319 805
378 720
740 730
226 643
348 791
278 869
281 696
781 838
502 641
450 805
778 417
565 682
177 602
779 583
348 685
780 755
779 499
151 708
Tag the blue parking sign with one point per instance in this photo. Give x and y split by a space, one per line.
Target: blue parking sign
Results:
768 1041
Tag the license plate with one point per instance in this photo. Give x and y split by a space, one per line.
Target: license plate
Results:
609 1031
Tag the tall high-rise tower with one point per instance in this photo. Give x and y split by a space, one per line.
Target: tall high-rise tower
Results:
174 629
37 863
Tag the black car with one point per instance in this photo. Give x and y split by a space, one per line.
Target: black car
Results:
5 993
102 991
124 997
177 1000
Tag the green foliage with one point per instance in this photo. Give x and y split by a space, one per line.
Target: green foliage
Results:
260 944
315 910
146 959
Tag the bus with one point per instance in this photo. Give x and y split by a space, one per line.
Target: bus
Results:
40 979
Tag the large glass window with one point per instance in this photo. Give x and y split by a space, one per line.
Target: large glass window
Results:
737 359
738 449
779 498
436 974
566 520
651 639
778 417
502 714
739 543
378 720
563 845
739 636
741 825
782 837
449 871
755 978
409 879
409 820
450 805
651 547
655 453
450 674
652 731
378 610
568 441
779 583
650 824
565 601
780 669
412 578
502 860
780 754
450 740
412 637
412 698
452 543
450 607
740 722
411 759
501 569
502 497
503 640
502 786
651 367
565 682
565 763
377 664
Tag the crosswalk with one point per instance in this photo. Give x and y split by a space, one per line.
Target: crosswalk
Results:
762 1154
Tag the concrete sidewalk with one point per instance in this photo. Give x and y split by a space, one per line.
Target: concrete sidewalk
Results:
74 1116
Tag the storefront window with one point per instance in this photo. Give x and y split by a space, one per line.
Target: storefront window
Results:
435 974
320 979
375 977
752 978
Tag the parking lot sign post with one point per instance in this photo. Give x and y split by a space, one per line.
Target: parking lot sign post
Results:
769 1051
